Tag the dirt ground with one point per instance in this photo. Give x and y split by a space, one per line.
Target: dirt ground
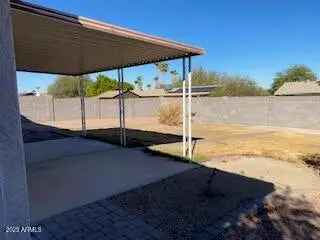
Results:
292 211
216 140
286 176
269 154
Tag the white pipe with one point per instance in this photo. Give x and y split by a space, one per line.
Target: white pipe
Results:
120 107
83 110
123 111
189 116
184 117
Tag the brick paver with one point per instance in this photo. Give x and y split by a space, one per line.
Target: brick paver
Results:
103 220
95 221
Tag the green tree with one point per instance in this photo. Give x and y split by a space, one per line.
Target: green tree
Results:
227 85
67 86
201 77
139 83
162 68
104 83
237 86
295 73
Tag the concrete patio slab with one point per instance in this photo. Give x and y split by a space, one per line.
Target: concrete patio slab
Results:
55 149
175 208
70 182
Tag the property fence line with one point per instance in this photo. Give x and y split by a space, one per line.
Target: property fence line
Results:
299 112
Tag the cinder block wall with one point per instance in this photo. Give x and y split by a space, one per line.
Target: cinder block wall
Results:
37 108
300 112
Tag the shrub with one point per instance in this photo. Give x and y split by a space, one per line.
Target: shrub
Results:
312 160
170 114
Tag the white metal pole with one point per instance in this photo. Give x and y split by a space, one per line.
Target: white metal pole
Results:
83 108
123 112
184 117
189 112
120 107
184 108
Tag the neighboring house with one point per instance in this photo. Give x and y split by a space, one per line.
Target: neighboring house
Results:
151 93
196 89
115 94
305 88
32 93
196 92
134 94
165 86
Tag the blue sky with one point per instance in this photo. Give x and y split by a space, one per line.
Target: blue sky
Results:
247 37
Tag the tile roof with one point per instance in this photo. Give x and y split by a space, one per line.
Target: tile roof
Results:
150 93
109 94
299 88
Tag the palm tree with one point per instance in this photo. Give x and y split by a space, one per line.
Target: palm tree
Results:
156 82
139 82
162 68
174 77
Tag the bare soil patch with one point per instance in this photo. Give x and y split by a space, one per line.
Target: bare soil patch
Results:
215 140
283 216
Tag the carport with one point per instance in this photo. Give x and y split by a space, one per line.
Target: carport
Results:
42 40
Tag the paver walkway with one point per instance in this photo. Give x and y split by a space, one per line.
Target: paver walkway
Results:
99 220
104 221
173 208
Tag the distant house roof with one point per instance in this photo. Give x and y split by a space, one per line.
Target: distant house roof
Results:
196 89
150 93
109 94
193 94
115 94
299 88
32 93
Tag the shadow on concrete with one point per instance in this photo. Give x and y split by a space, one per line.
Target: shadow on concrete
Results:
36 132
178 207
181 207
135 137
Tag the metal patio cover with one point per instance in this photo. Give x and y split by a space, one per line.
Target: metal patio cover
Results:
50 41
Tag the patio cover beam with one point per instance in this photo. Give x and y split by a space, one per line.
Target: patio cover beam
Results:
50 41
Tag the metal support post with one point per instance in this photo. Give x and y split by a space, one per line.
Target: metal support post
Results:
189 110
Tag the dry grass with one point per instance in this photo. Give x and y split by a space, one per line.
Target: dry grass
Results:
170 114
224 139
